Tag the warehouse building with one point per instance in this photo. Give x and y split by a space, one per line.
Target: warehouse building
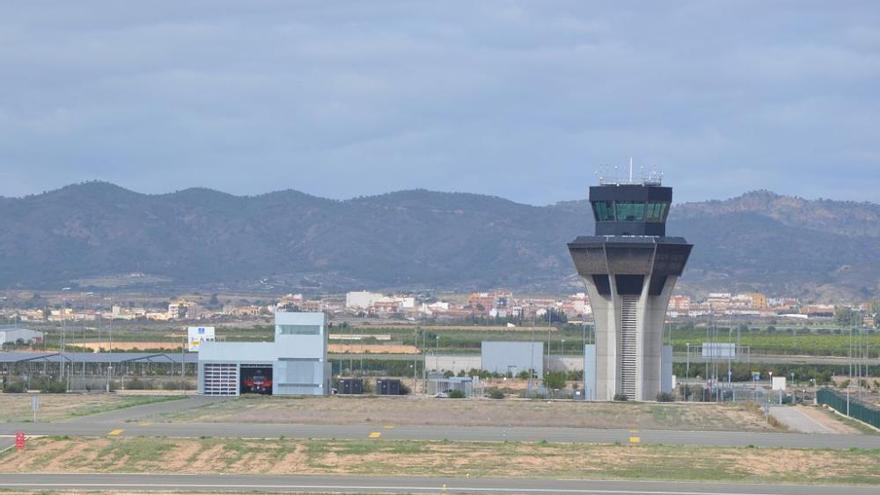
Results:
15 335
513 357
294 364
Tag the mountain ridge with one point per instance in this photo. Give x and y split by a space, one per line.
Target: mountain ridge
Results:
416 239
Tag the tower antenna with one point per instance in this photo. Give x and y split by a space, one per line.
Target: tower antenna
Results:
630 170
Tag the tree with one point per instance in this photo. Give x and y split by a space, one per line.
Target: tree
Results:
847 317
554 380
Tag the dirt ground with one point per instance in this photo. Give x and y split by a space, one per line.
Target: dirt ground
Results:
478 412
130 346
497 459
827 419
372 349
54 407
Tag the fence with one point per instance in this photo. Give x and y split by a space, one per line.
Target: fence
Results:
857 410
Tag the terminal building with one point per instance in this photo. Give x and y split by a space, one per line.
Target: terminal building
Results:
629 268
295 363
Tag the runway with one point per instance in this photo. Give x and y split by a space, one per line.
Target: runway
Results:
83 427
370 484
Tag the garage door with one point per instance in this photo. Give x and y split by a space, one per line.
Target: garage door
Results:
221 379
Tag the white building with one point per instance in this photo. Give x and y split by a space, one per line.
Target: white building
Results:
294 364
362 299
13 335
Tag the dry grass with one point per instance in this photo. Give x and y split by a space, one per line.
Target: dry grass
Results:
16 408
415 458
485 412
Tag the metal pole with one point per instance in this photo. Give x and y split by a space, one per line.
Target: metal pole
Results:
687 361
110 350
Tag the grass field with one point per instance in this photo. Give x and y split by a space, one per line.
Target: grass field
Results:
487 412
56 407
419 458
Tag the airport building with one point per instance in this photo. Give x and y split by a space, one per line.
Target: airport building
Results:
294 364
512 357
629 268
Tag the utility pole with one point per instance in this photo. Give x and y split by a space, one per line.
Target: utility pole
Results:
110 348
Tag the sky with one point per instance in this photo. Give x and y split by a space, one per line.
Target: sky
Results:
530 101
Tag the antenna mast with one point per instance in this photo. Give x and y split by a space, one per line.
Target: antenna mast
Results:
630 170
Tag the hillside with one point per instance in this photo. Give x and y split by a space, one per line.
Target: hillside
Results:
95 234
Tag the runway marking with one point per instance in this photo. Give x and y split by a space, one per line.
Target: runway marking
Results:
375 434
389 427
390 488
115 433
634 440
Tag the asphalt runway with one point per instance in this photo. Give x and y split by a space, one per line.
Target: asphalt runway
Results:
382 484
138 421
82 427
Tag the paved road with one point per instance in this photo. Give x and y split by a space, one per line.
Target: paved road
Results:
367 484
797 420
453 433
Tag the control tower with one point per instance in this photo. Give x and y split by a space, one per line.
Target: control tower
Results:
630 267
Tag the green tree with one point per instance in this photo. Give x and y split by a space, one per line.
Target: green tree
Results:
554 380
847 317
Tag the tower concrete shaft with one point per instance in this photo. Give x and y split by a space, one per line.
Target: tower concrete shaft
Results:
630 268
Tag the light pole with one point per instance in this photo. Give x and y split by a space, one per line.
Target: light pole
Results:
687 361
110 347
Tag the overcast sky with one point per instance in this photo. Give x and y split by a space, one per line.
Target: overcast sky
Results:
525 100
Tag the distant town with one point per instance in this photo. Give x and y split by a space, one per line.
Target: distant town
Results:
498 306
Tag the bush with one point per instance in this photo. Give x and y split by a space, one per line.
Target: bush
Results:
15 387
137 384
455 394
495 393
621 397
53 387
404 389
665 397
554 380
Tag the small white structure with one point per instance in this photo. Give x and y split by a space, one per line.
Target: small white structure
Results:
196 335
719 350
778 383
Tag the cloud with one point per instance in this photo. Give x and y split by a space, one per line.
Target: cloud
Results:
520 99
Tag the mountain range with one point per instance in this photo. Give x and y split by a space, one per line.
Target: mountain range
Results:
100 236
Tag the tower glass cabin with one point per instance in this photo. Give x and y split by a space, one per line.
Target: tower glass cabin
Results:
629 268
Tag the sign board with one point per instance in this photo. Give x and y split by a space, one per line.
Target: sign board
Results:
778 383
719 350
19 440
196 335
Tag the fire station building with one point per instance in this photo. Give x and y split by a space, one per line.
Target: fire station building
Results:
294 364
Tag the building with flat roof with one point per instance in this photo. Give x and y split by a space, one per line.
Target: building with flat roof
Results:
294 364
629 268
16 335
512 357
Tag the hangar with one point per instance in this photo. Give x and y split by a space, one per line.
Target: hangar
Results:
294 364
